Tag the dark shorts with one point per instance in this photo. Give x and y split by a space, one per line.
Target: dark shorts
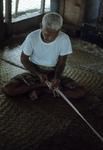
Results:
31 79
68 86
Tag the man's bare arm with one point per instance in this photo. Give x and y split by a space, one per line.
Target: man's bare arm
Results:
60 66
28 64
31 67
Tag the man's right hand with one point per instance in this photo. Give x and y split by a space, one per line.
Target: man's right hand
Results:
43 77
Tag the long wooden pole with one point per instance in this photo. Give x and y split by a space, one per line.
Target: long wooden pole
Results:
66 99
77 112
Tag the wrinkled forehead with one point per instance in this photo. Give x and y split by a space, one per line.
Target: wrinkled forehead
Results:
48 30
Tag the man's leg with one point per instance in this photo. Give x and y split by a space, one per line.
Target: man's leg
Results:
19 85
72 89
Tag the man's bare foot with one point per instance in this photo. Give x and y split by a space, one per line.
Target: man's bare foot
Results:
33 95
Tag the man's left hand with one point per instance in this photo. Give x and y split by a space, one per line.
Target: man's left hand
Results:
55 83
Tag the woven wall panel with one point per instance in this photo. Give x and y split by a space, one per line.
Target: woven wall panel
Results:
73 11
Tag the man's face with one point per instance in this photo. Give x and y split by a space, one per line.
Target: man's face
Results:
49 35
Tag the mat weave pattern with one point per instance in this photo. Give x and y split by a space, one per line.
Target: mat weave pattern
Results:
50 123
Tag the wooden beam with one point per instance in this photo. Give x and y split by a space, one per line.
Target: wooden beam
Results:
62 7
42 6
8 11
16 7
1 11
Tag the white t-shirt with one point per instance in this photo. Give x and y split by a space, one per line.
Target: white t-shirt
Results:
46 54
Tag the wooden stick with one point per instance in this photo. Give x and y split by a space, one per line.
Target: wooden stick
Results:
66 99
75 109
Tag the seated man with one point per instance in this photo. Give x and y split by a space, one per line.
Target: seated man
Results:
44 54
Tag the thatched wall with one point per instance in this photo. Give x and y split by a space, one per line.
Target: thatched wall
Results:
73 11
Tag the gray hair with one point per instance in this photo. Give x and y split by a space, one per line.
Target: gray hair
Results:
52 20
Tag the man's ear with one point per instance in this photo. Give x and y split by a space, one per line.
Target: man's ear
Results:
58 30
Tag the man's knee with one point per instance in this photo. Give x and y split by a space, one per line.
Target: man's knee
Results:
8 90
11 87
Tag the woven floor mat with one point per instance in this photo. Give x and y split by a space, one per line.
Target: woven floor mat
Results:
12 55
82 66
26 125
50 123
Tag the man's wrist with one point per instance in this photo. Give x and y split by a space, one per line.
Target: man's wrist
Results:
58 79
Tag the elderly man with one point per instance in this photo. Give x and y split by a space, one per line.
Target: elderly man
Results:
44 54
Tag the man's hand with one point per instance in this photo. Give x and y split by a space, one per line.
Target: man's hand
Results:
43 77
55 83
